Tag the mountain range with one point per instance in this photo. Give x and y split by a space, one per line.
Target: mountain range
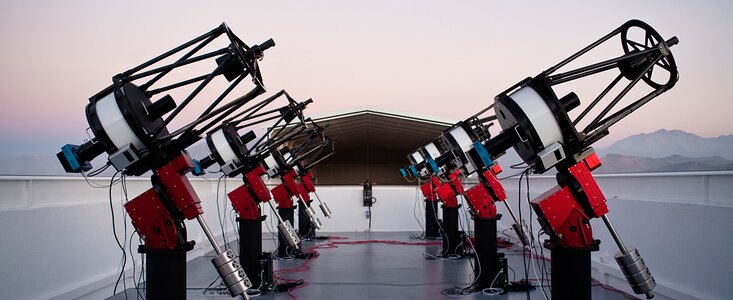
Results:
49 165
659 151
667 151
617 163
665 143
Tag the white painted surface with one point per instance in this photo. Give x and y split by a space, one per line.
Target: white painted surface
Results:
678 221
55 232
114 123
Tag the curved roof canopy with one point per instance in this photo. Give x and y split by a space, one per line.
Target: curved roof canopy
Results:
371 126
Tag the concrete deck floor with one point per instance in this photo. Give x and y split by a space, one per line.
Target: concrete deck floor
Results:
372 271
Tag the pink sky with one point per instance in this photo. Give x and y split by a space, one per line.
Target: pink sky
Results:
434 58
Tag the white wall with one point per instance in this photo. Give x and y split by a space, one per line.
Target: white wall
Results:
57 230
56 237
391 212
679 222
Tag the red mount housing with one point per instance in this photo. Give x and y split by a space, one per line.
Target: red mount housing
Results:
307 180
258 187
303 192
246 198
565 211
449 191
483 196
284 192
429 189
149 215
152 221
306 187
281 196
480 201
289 180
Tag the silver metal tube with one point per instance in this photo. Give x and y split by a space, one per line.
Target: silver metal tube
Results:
208 234
324 207
285 227
227 266
274 211
615 236
317 198
511 212
310 213
520 229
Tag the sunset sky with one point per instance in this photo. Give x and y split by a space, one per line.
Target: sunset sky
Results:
446 59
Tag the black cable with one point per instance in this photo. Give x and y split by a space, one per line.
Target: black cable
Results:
86 178
134 271
443 232
517 165
370 218
467 217
124 235
514 274
457 291
374 200
380 283
531 231
124 190
462 224
218 210
137 283
235 225
210 288
471 288
521 225
544 262
114 232
100 170
142 277
415 207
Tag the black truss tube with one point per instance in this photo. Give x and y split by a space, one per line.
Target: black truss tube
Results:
213 33
595 123
190 97
193 51
174 65
176 85
598 99
226 109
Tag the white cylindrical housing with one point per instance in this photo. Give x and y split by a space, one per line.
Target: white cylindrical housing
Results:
270 166
417 157
223 148
114 123
462 138
432 150
538 114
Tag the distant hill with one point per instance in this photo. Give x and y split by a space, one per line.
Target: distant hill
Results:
31 165
616 163
665 143
667 151
49 164
659 151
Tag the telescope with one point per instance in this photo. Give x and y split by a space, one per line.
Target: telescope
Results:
538 125
132 122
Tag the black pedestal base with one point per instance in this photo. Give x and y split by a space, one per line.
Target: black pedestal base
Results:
486 259
165 273
452 245
571 273
431 219
250 250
